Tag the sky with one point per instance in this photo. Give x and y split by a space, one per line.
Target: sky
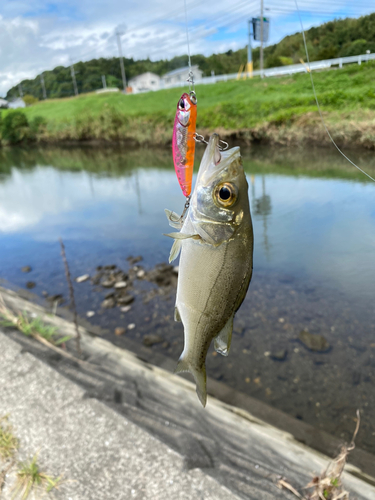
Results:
40 35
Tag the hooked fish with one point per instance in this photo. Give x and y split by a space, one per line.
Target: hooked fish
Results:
216 245
183 141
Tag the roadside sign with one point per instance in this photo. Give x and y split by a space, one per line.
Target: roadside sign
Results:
256 28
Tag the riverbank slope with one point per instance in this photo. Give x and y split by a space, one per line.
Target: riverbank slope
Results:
274 110
92 423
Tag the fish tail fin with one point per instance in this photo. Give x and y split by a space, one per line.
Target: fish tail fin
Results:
199 375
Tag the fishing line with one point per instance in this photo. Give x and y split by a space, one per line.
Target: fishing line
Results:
317 102
191 75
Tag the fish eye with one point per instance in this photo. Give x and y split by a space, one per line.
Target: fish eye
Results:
226 194
181 104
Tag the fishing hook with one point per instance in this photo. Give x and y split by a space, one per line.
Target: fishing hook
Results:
186 207
200 138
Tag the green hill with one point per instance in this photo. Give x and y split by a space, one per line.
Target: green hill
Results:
337 38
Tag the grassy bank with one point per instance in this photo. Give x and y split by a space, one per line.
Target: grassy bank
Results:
278 110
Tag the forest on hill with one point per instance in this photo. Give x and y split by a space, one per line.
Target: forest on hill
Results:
338 38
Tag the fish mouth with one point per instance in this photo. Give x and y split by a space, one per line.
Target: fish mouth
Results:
215 161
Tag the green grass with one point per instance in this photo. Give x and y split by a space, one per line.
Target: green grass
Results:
8 442
230 106
31 478
31 328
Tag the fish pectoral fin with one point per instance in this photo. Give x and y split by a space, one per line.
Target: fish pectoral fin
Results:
182 236
175 250
199 377
173 219
224 338
177 316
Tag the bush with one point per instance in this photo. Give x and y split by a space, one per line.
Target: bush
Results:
37 124
15 127
29 100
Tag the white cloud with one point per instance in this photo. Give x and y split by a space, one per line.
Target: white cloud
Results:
38 36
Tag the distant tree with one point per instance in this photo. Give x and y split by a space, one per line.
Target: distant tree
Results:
30 99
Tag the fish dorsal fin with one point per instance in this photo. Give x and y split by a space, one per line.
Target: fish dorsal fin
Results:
224 338
173 219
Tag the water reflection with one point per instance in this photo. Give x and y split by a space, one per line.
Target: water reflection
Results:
262 209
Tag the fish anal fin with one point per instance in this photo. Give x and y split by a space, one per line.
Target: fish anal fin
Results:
177 316
224 338
175 250
199 375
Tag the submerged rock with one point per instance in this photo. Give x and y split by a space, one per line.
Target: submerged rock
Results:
109 283
109 303
83 278
30 285
125 300
26 269
152 339
133 260
120 330
314 342
121 284
278 355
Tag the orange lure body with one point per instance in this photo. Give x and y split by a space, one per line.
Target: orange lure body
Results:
183 141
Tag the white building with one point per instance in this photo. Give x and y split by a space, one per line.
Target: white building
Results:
180 76
144 82
3 103
17 103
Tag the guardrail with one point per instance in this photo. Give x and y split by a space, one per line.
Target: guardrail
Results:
281 70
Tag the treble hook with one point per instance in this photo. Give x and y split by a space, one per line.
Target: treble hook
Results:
200 138
186 207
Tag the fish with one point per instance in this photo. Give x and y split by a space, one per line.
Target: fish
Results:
216 262
183 140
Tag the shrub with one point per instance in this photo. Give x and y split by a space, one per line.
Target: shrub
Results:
37 124
15 127
29 100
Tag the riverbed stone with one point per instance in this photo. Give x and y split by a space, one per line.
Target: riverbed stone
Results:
125 300
30 285
151 339
83 278
109 283
109 303
314 342
120 330
279 355
121 284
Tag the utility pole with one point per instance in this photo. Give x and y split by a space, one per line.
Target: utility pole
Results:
72 72
104 82
43 86
118 34
20 89
261 38
249 54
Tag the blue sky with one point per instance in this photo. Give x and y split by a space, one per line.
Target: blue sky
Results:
39 35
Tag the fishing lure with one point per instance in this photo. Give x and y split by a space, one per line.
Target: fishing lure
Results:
183 141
